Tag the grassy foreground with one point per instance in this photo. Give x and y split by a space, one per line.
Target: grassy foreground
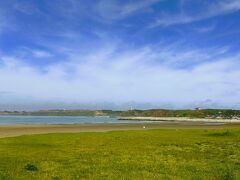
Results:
151 154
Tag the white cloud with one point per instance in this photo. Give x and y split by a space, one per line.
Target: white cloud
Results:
41 54
26 52
112 9
94 71
141 75
216 8
205 29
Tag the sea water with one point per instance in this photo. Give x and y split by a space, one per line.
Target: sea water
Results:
6 120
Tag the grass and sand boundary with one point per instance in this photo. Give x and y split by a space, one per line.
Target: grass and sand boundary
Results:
18 130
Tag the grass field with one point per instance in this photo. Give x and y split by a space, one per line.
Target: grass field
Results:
151 154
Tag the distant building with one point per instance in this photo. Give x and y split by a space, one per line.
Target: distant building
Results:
198 108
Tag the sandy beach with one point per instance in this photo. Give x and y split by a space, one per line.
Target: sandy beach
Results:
18 130
182 119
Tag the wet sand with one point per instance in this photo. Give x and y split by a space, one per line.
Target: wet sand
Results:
18 130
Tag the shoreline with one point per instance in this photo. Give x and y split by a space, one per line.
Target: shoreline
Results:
179 119
28 129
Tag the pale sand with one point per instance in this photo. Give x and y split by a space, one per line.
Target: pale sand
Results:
182 119
17 130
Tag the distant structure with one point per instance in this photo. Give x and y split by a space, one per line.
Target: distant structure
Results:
198 108
131 108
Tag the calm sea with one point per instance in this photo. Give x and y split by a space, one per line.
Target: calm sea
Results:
6 120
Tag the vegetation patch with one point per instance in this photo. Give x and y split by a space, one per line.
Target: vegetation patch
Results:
31 167
224 133
150 154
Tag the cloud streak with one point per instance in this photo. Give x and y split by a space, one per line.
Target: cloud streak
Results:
110 76
214 9
93 52
112 9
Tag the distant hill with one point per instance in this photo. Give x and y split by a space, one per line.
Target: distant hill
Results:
198 113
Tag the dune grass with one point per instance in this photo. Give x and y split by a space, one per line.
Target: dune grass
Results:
151 154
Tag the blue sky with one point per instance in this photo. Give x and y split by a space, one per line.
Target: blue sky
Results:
149 53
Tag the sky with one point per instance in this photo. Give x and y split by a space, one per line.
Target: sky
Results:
119 53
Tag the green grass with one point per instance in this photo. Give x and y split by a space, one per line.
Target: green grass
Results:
152 154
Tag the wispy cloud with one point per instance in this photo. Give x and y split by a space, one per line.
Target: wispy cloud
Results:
41 54
205 29
79 51
112 9
215 8
27 52
111 76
